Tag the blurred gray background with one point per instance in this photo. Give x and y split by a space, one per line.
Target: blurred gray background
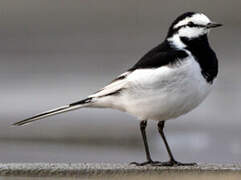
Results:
56 52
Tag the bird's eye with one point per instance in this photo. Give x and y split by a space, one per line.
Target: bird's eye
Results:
191 24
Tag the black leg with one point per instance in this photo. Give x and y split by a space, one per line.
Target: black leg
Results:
148 155
172 161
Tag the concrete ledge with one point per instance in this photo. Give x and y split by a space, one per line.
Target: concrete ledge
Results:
103 169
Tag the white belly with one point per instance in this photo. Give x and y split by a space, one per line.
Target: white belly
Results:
166 92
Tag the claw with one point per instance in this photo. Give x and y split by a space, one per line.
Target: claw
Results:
152 163
175 163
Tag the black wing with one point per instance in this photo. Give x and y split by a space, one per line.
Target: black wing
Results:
159 56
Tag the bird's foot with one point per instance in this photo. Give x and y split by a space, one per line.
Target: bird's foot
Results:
152 163
172 163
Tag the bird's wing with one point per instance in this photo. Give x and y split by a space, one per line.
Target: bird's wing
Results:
155 58
160 56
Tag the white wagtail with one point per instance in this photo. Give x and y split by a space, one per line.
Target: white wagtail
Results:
170 80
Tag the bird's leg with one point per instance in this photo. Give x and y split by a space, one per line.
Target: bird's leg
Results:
148 155
172 161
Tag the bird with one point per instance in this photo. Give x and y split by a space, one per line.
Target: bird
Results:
170 80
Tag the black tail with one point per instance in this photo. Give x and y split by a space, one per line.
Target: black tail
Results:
70 107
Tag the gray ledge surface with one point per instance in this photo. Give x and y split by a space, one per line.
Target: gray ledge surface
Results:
105 169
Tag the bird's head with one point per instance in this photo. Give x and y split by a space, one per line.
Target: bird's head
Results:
189 26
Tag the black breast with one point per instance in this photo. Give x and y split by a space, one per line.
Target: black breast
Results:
205 56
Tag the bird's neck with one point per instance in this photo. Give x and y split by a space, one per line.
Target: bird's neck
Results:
199 43
196 44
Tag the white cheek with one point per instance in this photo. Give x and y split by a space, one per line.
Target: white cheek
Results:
192 32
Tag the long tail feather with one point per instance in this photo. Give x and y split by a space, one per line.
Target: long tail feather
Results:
70 107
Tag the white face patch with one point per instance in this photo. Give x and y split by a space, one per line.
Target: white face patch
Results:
192 32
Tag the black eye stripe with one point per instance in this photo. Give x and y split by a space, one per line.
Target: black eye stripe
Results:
194 25
189 25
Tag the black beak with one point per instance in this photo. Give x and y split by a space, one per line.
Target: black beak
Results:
213 25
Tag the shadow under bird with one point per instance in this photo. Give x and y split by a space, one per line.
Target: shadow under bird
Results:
170 80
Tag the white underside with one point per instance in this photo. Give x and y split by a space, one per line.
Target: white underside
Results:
157 94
